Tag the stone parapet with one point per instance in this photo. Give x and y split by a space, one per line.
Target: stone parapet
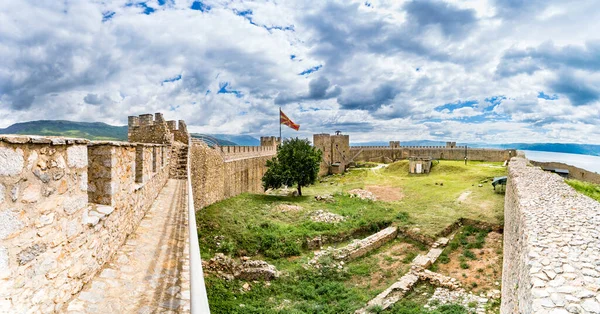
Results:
66 206
148 128
237 152
393 153
551 245
222 172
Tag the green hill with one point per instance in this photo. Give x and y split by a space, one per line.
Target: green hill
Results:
89 130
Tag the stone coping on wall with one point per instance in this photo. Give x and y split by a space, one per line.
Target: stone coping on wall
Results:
34 139
560 230
124 144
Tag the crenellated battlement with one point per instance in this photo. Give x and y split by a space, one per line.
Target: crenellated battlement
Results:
269 141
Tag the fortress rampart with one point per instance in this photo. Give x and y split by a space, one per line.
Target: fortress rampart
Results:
551 244
389 154
223 172
66 206
240 152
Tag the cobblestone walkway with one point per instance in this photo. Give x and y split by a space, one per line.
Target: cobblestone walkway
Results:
146 274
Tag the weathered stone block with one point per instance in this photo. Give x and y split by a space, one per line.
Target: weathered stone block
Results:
73 204
11 161
77 156
44 220
9 224
31 194
28 254
2 193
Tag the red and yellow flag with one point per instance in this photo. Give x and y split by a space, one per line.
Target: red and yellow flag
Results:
283 119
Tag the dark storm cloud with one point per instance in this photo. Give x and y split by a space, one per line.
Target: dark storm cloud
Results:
372 100
318 89
576 89
451 20
92 99
549 56
342 30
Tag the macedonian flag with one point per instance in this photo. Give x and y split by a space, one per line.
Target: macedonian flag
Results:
283 119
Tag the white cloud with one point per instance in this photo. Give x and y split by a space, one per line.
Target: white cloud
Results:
385 67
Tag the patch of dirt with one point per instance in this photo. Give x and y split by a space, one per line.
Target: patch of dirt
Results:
463 196
385 193
390 265
485 271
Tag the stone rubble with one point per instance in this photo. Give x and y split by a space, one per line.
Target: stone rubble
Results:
327 217
362 194
355 249
229 269
470 301
417 273
327 198
284 208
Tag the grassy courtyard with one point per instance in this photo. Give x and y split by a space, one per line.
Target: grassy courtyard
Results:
278 229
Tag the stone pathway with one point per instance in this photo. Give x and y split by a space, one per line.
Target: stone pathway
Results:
147 275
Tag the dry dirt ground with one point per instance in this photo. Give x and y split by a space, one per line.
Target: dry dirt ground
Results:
385 193
485 271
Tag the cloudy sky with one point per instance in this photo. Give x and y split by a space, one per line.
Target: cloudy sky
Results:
469 71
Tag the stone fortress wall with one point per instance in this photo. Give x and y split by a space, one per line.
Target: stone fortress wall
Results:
222 172
551 244
338 154
449 152
67 205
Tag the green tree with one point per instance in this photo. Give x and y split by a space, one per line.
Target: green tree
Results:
297 162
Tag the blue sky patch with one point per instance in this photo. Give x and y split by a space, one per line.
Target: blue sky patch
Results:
281 28
199 6
223 90
173 79
292 57
107 16
542 95
456 105
311 70
147 10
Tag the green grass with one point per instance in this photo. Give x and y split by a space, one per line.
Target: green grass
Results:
590 189
251 225
468 237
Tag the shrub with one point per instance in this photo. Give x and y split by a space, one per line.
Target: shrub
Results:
469 254
402 216
464 265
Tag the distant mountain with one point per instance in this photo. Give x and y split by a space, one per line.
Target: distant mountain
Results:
233 140
582 149
220 141
89 130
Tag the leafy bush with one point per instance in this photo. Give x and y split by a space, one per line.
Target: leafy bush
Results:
402 216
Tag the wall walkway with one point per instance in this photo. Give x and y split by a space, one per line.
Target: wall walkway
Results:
551 245
147 275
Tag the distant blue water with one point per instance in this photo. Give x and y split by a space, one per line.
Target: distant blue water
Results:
587 162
